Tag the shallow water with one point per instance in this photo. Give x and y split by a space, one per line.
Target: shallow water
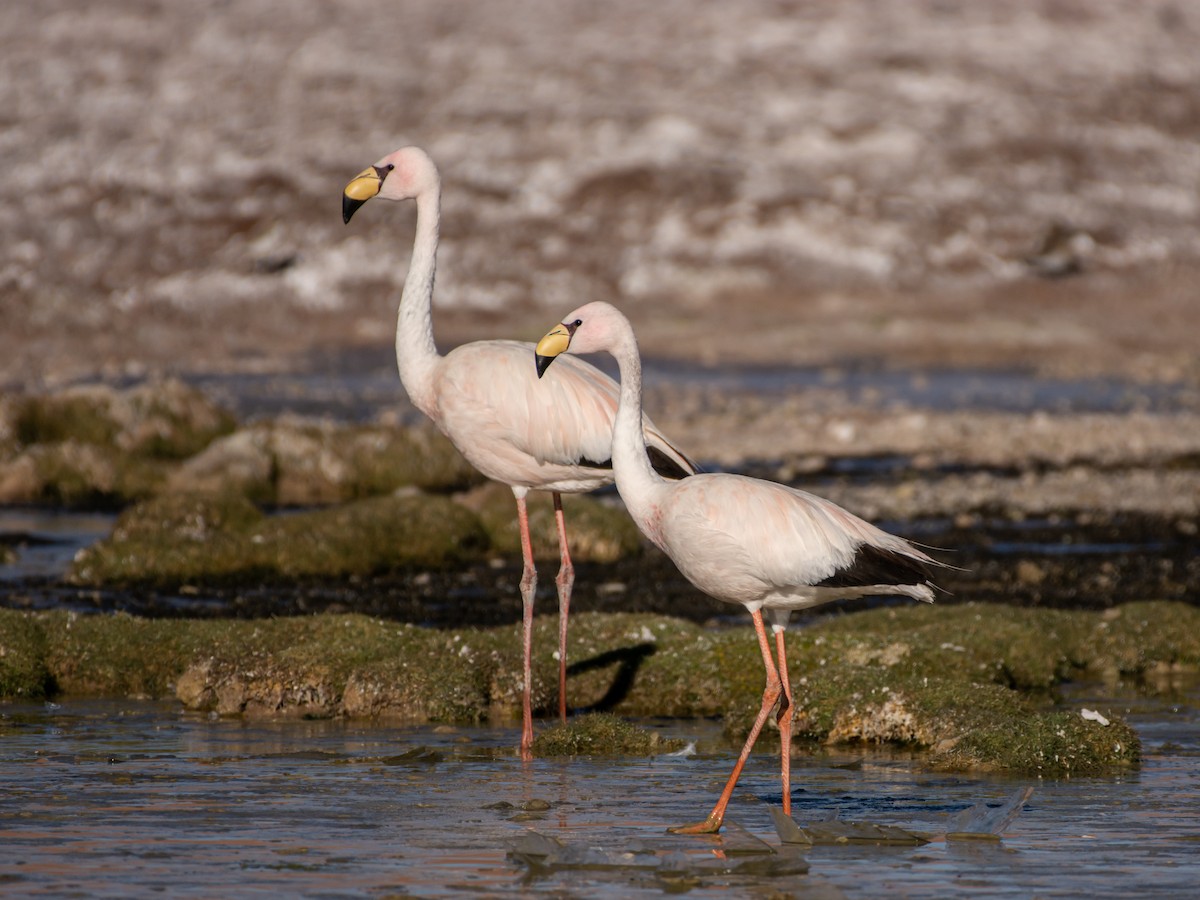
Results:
359 388
120 798
46 540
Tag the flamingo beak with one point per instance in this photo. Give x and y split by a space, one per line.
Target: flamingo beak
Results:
365 185
552 345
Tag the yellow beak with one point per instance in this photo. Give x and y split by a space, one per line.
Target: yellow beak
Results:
365 185
554 343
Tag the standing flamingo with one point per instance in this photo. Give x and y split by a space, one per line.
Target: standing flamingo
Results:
769 547
486 399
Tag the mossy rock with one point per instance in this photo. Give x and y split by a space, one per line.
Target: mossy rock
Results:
1020 648
98 446
1053 743
303 463
1027 649
95 446
1145 640
128 656
372 536
157 420
81 417
276 463
966 724
596 532
172 540
602 734
346 665
77 474
24 667
382 460
870 677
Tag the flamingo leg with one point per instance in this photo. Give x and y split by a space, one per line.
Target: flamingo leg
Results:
787 710
771 693
528 587
565 581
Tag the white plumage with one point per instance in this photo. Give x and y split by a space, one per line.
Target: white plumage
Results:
486 398
769 547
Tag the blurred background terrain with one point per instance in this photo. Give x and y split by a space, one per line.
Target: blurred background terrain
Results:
928 184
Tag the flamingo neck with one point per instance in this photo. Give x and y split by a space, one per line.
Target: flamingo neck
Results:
416 353
637 482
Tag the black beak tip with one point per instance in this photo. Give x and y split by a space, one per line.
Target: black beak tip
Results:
349 208
543 363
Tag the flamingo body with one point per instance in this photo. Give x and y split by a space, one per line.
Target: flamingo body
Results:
768 547
485 398
555 436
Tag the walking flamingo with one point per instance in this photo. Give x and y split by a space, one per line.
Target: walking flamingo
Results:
486 399
769 547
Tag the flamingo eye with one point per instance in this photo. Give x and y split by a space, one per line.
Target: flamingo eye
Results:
390 166
577 323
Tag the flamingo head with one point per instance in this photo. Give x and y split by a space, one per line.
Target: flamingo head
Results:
592 328
403 175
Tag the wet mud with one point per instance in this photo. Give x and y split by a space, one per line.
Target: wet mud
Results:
1070 562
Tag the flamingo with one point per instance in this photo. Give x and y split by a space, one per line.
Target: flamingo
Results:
769 547
485 398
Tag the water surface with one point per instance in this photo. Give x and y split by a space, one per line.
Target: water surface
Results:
123 798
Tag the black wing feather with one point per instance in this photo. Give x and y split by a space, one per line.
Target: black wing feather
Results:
874 565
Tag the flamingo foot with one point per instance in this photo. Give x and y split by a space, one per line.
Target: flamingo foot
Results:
711 825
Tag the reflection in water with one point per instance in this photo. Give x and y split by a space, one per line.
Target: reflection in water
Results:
107 799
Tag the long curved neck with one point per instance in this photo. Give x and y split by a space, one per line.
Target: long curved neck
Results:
637 482
416 353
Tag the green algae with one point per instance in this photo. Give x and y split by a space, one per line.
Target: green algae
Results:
889 675
173 540
24 665
602 734
127 656
371 536
166 420
52 420
207 538
304 463
381 461
597 533
100 448
342 665
1051 743
188 480
76 474
1027 649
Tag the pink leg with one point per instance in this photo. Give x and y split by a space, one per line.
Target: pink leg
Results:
565 580
771 693
786 711
528 587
